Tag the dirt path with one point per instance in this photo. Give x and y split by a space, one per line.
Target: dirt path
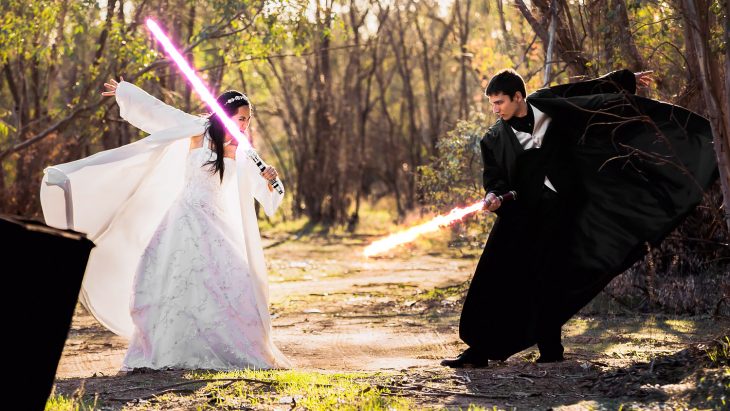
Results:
322 295
336 311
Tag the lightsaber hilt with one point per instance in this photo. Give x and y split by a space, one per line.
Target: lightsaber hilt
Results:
261 165
509 195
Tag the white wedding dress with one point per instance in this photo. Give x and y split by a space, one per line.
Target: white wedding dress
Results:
178 266
193 304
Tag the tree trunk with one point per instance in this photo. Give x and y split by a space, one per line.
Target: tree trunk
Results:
399 48
551 43
567 49
465 57
625 39
697 17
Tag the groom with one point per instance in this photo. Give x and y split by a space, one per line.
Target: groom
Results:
598 173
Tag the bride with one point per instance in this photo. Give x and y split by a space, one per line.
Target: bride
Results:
178 266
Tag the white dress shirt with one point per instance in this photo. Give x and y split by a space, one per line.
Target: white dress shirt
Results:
534 140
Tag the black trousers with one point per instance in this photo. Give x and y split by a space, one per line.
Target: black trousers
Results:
552 215
511 301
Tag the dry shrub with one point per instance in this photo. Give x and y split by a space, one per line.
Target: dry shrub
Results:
688 273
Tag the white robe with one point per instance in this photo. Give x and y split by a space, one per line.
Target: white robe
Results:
119 196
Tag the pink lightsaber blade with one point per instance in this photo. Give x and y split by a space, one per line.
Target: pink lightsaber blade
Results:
210 100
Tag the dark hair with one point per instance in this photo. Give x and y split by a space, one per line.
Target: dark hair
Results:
230 101
506 81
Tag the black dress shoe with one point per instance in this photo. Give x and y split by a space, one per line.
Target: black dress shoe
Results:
467 359
547 357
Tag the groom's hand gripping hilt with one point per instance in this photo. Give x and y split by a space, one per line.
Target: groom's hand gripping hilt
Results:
510 195
275 183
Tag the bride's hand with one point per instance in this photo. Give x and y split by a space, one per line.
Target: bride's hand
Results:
111 87
269 174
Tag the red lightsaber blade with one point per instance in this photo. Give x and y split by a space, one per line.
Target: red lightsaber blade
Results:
409 235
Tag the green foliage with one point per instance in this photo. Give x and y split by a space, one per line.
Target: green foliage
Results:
5 130
719 352
718 36
24 40
455 175
453 179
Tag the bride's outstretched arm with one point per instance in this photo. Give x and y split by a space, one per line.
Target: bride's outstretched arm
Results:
144 111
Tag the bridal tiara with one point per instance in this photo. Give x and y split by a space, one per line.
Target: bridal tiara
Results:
232 99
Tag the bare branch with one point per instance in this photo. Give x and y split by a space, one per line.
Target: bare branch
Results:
44 133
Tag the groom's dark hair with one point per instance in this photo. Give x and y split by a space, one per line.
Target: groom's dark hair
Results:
506 81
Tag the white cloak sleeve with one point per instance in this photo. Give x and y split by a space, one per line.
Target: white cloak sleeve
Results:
146 112
117 198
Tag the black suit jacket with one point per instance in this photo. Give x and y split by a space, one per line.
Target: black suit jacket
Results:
501 149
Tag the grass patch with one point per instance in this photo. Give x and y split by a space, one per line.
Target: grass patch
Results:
310 390
719 352
74 403
443 293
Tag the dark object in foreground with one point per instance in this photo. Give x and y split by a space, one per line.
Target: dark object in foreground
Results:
43 267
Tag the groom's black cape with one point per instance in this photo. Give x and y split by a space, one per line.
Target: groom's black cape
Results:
627 169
